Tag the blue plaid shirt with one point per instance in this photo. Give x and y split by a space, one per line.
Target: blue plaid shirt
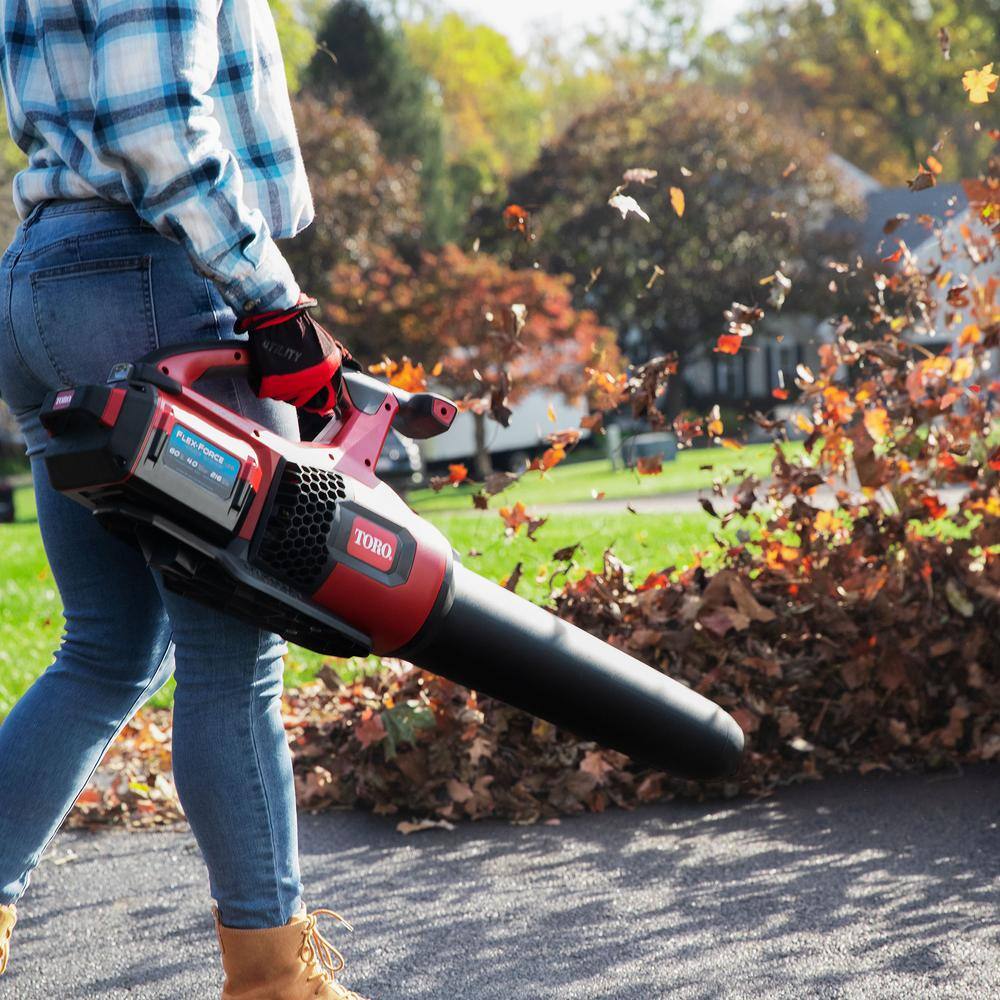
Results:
176 107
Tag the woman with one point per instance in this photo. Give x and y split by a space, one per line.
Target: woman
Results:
162 163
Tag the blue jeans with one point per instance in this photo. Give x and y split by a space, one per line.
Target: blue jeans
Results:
84 285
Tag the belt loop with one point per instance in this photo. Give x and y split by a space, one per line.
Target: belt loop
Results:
32 216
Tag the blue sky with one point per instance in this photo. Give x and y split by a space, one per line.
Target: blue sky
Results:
519 19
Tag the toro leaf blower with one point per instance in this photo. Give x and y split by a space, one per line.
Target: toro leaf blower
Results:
302 538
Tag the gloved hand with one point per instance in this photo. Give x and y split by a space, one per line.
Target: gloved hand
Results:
292 358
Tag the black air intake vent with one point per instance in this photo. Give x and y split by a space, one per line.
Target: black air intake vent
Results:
294 546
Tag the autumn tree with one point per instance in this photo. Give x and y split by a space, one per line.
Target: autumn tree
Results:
880 78
359 55
492 119
363 201
490 333
736 194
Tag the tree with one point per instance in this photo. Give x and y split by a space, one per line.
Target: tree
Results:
873 75
297 44
492 119
357 54
363 201
496 333
758 195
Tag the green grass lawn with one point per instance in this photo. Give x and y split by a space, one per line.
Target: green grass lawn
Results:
30 611
575 481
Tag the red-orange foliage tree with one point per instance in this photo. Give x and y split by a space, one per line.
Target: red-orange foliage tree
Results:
492 333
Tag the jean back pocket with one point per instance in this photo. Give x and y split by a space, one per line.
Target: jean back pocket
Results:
90 315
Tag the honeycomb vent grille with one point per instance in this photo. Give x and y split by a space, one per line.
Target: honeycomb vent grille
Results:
295 544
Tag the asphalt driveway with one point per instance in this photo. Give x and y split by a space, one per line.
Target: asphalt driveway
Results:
879 887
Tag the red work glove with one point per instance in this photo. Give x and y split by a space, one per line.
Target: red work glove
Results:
292 358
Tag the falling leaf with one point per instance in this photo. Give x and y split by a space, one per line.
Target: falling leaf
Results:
658 273
457 474
728 343
551 413
944 42
520 313
925 179
778 392
877 423
510 583
594 275
714 426
980 83
934 165
639 175
625 204
677 201
790 169
649 465
516 219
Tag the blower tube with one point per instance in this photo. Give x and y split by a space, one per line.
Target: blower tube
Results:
497 643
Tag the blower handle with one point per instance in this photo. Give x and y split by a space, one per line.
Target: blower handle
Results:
420 415
186 363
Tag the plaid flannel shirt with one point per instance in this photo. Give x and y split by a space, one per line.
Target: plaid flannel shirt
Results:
176 107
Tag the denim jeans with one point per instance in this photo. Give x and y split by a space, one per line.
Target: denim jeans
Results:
84 285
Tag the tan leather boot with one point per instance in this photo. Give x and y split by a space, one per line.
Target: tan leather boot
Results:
8 917
294 962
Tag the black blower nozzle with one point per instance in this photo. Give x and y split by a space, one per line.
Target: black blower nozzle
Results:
504 646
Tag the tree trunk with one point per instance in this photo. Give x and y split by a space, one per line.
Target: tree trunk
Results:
484 464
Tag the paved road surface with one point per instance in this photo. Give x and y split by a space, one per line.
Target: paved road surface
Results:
877 887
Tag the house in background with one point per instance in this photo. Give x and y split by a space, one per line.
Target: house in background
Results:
792 336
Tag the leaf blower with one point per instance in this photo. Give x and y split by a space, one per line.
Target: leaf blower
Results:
303 539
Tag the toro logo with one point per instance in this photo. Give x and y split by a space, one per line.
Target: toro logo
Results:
372 544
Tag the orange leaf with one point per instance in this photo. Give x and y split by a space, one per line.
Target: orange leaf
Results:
677 201
516 218
779 393
457 473
728 343
514 516
877 423
730 444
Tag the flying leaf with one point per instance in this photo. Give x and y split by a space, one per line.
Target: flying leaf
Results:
944 42
457 474
516 219
677 201
980 83
511 582
714 426
639 175
877 423
728 343
625 204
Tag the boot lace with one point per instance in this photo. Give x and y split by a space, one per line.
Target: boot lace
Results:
324 957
